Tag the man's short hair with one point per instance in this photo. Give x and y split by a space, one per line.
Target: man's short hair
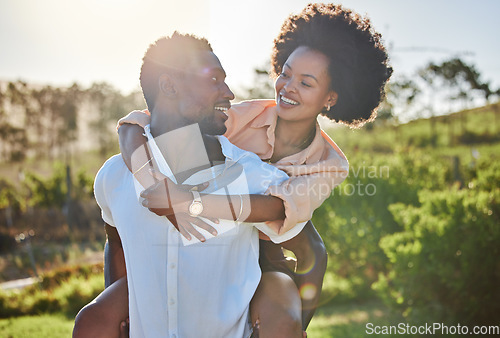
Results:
167 54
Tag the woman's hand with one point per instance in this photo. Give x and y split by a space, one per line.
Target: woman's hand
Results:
165 198
187 224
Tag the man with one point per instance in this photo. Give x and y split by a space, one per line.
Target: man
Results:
177 290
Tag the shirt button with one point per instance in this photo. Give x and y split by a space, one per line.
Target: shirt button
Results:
172 266
174 336
171 302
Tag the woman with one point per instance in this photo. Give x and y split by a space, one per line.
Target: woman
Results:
327 60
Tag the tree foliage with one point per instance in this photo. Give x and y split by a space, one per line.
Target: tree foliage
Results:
47 122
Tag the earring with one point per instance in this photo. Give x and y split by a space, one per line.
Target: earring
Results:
328 108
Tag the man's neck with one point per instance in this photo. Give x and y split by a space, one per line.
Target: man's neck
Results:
184 148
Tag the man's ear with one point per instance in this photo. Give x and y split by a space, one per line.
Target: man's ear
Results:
167 85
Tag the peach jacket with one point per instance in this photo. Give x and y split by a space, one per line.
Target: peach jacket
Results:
314 171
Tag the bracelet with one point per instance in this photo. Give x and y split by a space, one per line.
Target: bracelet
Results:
142 167
241 208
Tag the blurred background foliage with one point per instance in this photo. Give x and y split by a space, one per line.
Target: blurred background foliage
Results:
415 225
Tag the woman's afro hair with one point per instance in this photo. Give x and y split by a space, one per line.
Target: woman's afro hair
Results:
358 66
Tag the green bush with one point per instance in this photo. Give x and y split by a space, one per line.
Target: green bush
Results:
354 219
445 263
63 291
47 192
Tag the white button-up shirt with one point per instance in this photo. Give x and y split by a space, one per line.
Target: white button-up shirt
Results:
177 290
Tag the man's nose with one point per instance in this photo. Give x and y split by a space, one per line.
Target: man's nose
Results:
228 94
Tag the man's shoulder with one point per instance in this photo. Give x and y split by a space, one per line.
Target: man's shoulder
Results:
113 164
112 170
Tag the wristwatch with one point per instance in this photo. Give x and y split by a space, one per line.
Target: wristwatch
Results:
196 207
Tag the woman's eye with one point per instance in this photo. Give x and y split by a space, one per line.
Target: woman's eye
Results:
305 84
283 75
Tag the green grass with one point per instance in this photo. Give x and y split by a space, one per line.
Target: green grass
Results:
345 320
417 134
53 326
350 320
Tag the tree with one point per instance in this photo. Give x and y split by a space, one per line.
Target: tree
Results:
460 79
14 139
401 95
262 87
110 105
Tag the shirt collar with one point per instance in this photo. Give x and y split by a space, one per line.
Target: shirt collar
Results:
312 153
231 152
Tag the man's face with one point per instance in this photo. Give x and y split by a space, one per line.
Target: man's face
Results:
204 95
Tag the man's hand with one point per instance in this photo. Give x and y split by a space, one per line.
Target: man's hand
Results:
124 328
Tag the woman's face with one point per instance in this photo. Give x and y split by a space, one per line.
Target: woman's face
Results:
303 87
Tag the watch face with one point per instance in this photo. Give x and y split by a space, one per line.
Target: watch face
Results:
195 208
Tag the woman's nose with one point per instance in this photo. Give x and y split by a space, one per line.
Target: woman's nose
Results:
289 85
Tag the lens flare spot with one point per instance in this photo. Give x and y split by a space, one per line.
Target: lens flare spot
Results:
308 291
304 270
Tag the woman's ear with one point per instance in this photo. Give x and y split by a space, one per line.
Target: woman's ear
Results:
332 100
167 85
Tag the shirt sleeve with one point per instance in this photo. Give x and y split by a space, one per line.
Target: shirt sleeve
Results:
308 189
140 117
282 237
100 196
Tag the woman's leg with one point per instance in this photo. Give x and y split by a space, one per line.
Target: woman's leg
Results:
312 258
103 316
275 300
276 305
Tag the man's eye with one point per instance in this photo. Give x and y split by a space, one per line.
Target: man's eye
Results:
283 75
214 79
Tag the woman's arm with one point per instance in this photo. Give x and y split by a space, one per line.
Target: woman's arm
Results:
287 204
254 208
308 187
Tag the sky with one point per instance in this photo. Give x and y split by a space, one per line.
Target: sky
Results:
59 42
